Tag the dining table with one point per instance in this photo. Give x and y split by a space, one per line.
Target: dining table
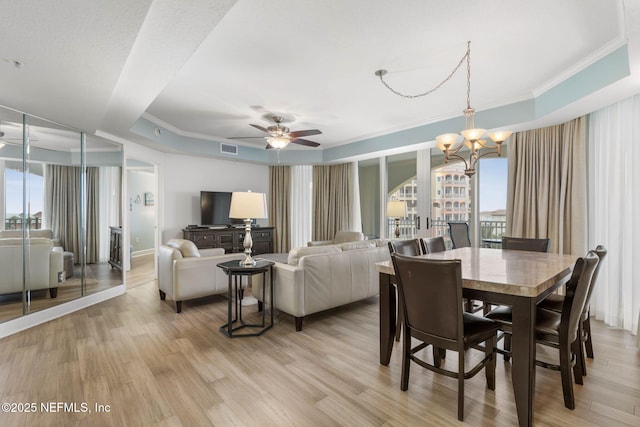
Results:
519 279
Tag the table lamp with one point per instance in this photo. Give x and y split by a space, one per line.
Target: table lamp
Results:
248 206
397 209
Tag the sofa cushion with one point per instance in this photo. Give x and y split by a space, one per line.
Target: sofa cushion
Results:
347 236
296 253
349 246
187 248
34 241
381 242
45 233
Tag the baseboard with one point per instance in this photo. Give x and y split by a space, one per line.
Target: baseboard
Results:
13 326
143 252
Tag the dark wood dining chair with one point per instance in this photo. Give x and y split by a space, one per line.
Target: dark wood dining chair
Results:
433 244
459 233
560 330
409 247
525 244
554 302
519 244
431 292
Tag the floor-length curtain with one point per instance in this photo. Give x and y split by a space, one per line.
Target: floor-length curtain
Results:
301 203
110 184
614 146
64 209
333 200
279 206
93 219
547 186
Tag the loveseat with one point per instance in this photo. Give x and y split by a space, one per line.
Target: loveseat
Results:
319 278
43 269
186 272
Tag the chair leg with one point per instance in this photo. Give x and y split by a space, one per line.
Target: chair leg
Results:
406 361
490 369
586 325
178 306
443 353
461 386
299 323
565 374
399 319
163 295
578 367
581 350
507 346
437 356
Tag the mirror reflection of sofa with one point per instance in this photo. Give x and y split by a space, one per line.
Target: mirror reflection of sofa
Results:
67 257
45 263
186 272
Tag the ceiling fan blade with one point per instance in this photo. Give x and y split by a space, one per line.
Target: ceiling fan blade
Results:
300 133
304 142
259 128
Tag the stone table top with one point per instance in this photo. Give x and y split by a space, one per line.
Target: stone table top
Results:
510 272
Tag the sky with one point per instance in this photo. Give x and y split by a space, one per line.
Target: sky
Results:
13 193
493 184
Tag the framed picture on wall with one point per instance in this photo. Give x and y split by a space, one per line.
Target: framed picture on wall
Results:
148 199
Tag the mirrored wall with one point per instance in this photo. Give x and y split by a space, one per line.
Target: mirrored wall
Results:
61 196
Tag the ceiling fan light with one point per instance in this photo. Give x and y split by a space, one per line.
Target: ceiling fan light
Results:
278 142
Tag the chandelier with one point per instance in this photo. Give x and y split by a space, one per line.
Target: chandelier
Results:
471 137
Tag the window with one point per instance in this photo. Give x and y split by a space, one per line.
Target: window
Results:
13 196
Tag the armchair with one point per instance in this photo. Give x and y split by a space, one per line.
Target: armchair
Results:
185 273
340 237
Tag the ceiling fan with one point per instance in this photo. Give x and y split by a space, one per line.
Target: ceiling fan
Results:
280 136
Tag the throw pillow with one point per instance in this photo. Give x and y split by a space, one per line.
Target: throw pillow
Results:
186 247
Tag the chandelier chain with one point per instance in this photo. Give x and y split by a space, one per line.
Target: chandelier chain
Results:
468 55
457 67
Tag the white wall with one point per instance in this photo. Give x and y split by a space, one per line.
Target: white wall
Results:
184 177
141 216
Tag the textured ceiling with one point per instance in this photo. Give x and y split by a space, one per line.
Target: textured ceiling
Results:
207 69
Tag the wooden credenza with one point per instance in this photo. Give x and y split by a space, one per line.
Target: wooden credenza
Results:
115 247
231 239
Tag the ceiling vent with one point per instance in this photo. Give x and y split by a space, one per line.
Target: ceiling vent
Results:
229 149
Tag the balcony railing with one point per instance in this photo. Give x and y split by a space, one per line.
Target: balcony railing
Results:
490 231
16 223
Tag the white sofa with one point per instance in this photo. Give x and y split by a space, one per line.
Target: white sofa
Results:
340 237
43 269
318 278
185 273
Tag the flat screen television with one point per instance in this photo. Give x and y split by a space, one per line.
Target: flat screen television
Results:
214 209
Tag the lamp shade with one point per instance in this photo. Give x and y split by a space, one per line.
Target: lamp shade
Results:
248 205
397 209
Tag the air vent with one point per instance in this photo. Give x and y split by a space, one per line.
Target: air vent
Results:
229 149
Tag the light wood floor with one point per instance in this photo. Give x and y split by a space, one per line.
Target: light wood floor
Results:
155 367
